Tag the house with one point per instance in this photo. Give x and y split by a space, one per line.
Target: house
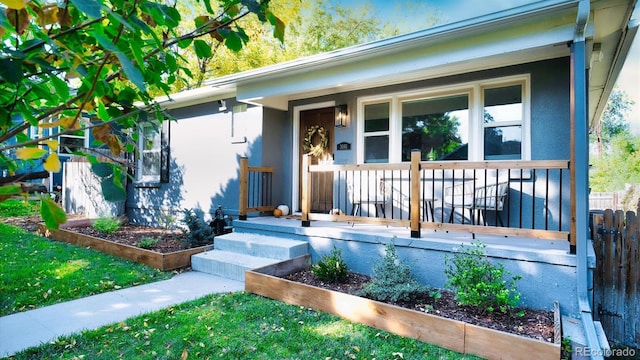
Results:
399 128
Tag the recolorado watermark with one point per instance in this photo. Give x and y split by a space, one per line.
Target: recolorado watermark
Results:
621 352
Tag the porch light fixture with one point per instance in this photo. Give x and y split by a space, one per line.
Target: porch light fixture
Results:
222 105
341 116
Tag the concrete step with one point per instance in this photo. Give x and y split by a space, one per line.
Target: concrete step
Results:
261 245
227 264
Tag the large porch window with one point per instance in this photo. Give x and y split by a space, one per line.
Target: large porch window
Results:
480 121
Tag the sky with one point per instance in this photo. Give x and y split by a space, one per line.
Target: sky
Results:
455 10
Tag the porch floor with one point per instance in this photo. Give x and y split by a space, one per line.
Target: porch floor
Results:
511 247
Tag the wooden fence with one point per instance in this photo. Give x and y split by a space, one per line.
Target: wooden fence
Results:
617 276
606 200
82 193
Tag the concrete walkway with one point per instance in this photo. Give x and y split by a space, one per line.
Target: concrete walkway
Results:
31 328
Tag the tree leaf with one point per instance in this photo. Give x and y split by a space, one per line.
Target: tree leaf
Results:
28 153
52 144
11 70
52 163
112 189
62 88
52 213
102 169
233 41
203 50
278 26
90 7
132 72
15 4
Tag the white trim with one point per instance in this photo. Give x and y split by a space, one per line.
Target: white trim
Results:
475 93
295 141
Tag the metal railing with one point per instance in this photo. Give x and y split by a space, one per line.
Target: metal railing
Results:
517 198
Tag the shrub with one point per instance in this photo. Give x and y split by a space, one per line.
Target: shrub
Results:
199 233
392 280
106 225
478 282
148 242
331 267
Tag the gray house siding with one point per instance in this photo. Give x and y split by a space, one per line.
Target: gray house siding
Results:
550 132
205 147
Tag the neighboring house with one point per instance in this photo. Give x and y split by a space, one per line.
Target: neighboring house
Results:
524 84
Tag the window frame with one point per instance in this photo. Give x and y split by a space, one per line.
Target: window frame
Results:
474 90
163 169
61 146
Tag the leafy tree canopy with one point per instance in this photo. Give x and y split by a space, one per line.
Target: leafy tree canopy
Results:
97 64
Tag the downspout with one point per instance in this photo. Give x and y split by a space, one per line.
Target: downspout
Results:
580 155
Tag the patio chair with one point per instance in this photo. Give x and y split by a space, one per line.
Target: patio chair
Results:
362 193
490 197
478 200
461 196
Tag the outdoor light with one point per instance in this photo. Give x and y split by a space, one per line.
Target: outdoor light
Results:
341 116
222 105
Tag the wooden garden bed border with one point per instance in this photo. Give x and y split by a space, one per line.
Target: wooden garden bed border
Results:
451 334
160 261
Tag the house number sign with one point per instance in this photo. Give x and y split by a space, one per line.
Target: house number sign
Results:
344 146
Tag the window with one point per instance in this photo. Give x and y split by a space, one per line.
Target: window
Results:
376 133
437 127
502 121
70 143
149 162
474 121
153 152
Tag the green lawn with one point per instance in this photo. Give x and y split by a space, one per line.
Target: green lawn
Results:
36 271
237 326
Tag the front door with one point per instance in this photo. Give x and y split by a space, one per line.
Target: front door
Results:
316 139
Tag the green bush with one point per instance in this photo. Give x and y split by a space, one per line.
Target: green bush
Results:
148 242
16 207
106 225
199 233
392 280
478 282
331 267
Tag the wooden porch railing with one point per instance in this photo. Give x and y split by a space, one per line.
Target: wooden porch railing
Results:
510 198
256 188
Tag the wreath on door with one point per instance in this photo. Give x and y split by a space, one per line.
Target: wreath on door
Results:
321 147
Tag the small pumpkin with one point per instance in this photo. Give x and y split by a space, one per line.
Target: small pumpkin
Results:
277 213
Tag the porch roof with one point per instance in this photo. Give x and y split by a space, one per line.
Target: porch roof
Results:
532 32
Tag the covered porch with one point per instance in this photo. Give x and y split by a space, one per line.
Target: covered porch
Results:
516 202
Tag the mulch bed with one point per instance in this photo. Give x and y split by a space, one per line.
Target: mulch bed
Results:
129 234
536 324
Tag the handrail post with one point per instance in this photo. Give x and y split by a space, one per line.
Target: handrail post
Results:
415 194
305 191
244 188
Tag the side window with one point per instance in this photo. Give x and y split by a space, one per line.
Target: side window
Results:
70 143
153 152
376 133
149 150
502 122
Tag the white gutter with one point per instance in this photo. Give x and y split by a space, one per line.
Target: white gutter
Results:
581 179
